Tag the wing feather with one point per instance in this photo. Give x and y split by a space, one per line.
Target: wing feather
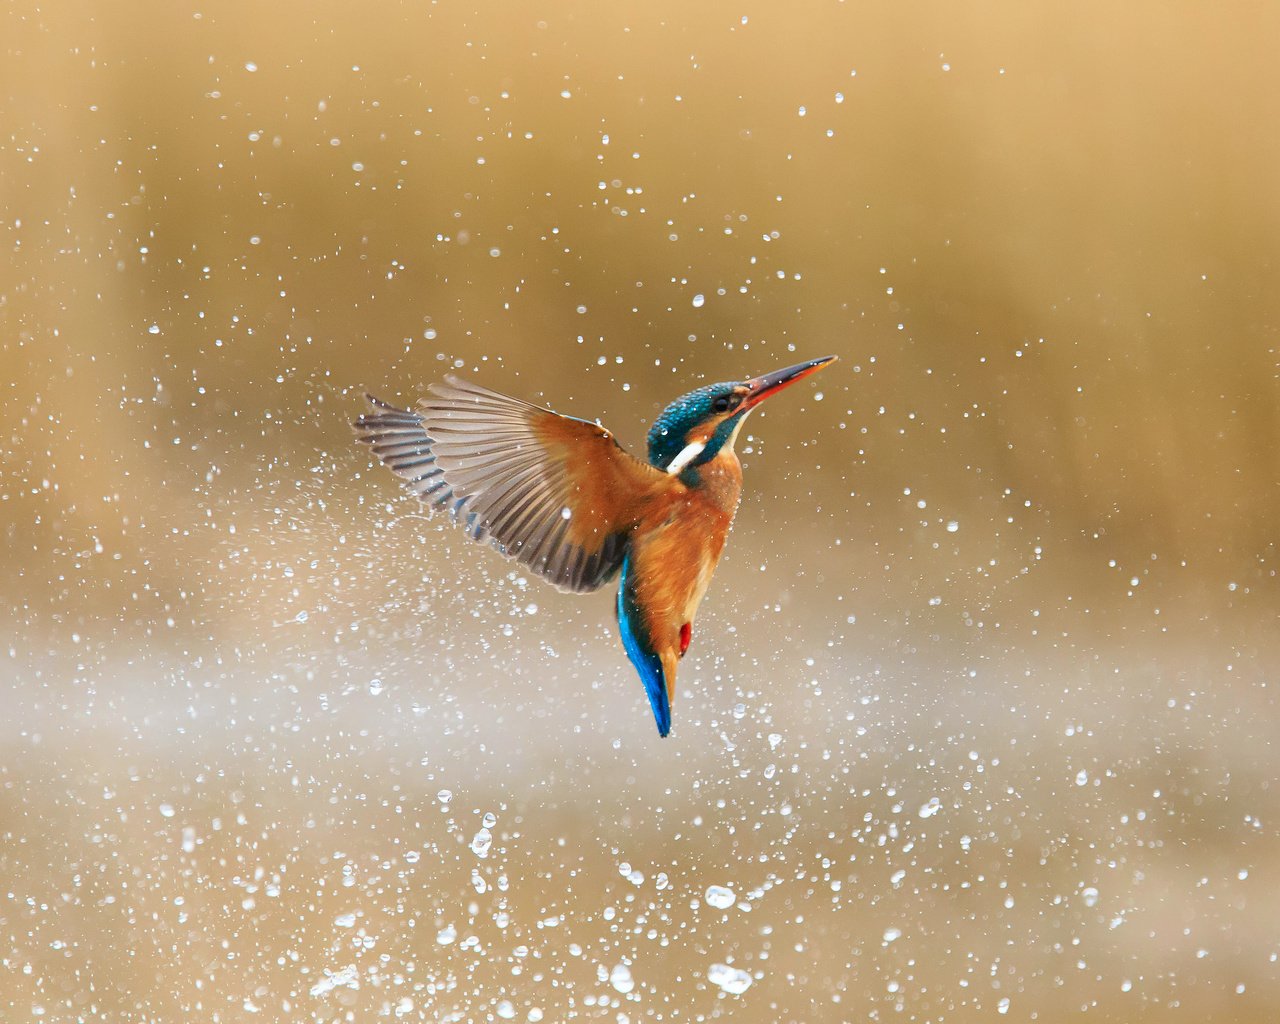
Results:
555 493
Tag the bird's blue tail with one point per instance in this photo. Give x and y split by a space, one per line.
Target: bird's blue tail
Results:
635 638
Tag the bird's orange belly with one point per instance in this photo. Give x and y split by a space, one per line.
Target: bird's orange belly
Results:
675 560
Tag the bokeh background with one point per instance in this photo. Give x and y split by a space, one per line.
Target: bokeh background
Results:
979 720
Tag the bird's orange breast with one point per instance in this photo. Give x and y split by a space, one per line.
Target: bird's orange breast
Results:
675 551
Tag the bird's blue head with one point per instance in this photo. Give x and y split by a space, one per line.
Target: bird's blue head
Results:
696 427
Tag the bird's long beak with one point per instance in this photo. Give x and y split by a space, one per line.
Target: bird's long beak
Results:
772 383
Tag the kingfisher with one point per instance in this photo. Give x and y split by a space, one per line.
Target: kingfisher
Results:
561 496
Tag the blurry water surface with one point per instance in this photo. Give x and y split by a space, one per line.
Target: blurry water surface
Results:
979 718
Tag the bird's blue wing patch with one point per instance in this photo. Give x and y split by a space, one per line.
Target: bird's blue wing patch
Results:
635 639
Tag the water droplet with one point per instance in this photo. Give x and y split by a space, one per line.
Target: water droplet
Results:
720 897
729 979
481 842
375 687
892 934
345 920
1003 1005
348 977
1090 896
166 810
620 978
447 935
444 796
699 300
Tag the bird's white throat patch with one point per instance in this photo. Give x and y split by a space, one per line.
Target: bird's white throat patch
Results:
687 455
695 448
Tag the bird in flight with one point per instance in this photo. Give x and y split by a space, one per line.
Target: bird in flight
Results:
559 495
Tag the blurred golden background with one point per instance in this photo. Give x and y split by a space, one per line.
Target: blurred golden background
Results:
980 717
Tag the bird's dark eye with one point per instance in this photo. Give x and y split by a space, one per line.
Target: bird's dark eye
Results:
721 404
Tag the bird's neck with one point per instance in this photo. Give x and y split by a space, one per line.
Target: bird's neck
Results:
718 480
702 449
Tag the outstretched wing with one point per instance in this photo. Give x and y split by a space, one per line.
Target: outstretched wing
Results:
556 493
